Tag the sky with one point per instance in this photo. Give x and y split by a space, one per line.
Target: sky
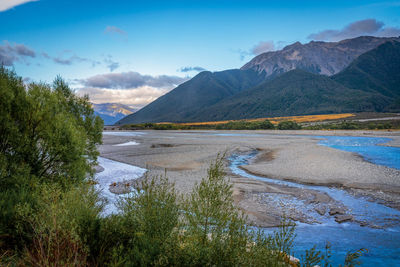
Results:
132 52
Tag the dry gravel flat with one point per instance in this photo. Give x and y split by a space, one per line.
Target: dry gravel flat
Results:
288 155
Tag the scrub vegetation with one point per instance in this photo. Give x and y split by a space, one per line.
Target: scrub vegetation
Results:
52 216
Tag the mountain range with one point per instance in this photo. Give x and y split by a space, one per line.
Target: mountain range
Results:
112 112
354 75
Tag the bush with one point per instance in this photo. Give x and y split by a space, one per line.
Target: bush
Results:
288 125
64 229
149 221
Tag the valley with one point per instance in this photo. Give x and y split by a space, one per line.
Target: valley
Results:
317 186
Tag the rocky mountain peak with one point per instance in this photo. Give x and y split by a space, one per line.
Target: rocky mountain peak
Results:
327 58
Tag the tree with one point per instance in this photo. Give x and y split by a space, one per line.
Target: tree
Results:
47 135
49 132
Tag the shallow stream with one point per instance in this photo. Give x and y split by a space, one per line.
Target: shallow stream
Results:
383 243
382 240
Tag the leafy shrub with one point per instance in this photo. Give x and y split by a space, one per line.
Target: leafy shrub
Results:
149 221
65 227
288 125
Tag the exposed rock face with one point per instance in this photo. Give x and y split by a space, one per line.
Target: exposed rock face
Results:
327 58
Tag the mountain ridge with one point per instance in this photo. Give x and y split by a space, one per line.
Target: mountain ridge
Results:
112 112
327 58
239 94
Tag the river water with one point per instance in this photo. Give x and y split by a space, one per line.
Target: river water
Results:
383 244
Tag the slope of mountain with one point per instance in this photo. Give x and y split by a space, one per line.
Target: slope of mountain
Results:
296 92
112 112
326 58
375 71
202 91
370 83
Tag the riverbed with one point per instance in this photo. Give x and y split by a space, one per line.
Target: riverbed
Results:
275 168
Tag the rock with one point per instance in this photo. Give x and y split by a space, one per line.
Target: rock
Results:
321 210
98 168
343 218
336 210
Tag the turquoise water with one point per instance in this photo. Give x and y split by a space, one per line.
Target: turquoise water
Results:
383 244
368 147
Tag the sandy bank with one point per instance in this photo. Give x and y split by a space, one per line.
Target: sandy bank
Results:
287 155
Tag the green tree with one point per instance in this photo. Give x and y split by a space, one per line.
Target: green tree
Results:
47 135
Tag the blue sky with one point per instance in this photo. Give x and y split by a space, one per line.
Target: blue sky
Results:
147 44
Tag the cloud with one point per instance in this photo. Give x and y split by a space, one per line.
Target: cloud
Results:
130 88
370 27
113 29
70 59
111 64
124 80
9 53
187 69
137 97
8 4
263 47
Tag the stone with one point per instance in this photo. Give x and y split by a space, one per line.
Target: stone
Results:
343 218
336 210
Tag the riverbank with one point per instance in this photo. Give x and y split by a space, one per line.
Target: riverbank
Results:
286 155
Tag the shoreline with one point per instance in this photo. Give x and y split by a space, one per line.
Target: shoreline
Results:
186 156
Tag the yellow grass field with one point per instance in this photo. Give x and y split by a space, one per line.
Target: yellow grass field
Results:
276 120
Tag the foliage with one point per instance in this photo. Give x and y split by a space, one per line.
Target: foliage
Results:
149 221
313 257
288 125
231 125
64 227
215 230
48 135
356 125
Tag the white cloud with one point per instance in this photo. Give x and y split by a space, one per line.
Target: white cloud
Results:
130 88
7 4
131 79
136 97
263 47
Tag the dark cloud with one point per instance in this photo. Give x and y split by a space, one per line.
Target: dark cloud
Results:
130 80
370 27
113 29
9 53
187 69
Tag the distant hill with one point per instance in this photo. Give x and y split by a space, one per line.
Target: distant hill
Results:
296 92
202 91
368 83
112 112
327 58
376 71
